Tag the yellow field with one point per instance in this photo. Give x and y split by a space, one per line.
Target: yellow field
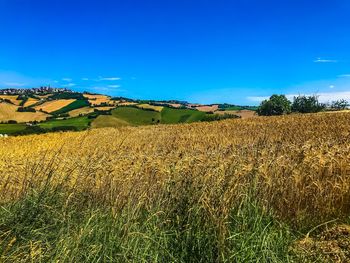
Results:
30 102
152 107
211 108
96 100
9 112
12 98
51 106
104 108
83 111
126 103
299 164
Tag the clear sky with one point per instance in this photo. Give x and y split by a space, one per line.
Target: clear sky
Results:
207 51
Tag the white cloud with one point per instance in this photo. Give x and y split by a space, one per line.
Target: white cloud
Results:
113 86
344 76
67 79
320 60
84 78
331 86
108 78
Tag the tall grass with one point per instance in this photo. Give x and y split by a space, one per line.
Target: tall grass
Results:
230 191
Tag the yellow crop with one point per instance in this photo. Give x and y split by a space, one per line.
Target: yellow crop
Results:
298 165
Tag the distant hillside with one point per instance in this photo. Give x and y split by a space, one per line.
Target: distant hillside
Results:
38 110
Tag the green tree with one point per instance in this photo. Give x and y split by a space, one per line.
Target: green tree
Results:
275 105
307 104
339 104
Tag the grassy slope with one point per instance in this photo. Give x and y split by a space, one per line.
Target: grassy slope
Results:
103 121
11 128
79 122
170 115
136 116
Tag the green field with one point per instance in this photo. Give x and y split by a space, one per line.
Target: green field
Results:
169 115
11 128
74 105
136 116
104 121
80 123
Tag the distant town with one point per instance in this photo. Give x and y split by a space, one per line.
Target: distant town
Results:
38 91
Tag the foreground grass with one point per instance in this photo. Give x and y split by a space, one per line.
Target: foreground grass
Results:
52 225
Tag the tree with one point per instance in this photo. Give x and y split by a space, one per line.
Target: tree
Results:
275 105
307 104
339 104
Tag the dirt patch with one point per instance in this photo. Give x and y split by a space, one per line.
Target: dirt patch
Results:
332 245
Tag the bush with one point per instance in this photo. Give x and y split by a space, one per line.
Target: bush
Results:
26 109
307 104
11 122
276 105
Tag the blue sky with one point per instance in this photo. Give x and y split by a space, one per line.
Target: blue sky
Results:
236 51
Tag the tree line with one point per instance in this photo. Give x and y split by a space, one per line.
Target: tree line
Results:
279 105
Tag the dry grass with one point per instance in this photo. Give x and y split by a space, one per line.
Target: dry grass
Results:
51 106
12 98
30 102
83 111
152 107
104 108
211 108
9 112
96 100
300 165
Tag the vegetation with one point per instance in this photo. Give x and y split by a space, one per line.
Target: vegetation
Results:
275 105
339 104
230 107
25 109
217 117
231 191
66 96
307 104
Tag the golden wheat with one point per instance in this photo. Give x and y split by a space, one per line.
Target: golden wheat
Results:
298 166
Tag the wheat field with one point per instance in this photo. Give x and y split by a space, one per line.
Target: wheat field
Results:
182 193
9 112
51 106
